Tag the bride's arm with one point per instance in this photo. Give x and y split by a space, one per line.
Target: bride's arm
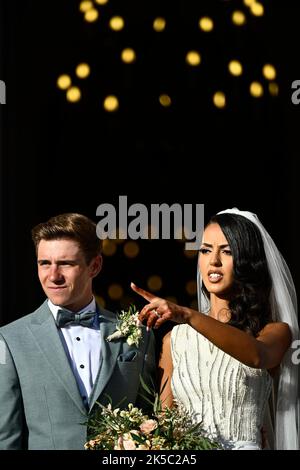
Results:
165 370
264 352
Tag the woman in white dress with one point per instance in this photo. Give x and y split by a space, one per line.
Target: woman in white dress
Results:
221 361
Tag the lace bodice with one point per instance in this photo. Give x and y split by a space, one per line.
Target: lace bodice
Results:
228 397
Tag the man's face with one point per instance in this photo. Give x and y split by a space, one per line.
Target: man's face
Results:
64 274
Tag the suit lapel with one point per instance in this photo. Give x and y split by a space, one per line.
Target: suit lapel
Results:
45 333
109 354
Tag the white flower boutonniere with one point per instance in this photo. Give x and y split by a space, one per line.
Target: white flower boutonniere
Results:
128 326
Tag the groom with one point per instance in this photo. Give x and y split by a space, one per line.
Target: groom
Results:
56 362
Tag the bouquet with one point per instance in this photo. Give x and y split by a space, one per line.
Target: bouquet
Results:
131 429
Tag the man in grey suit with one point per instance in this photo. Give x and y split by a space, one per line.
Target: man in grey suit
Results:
56 362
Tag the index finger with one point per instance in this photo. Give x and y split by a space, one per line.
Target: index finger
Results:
147 295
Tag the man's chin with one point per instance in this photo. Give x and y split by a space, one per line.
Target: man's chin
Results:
58 299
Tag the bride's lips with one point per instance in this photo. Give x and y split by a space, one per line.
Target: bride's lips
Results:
215 276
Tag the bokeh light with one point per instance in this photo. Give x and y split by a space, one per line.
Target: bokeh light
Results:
64 82
159 24
111 103
73 94
219 99
154 283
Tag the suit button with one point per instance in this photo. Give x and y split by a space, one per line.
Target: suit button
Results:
81 366
78 339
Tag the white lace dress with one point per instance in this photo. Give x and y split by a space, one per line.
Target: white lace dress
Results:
228 397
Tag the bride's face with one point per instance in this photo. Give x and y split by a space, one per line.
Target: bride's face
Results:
215 261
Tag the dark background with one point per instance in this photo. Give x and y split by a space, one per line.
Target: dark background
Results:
59 156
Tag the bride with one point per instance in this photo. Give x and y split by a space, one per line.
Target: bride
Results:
224 361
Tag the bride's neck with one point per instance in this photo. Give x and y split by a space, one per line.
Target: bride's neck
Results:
219 309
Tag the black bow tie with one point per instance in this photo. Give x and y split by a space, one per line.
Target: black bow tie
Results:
65 318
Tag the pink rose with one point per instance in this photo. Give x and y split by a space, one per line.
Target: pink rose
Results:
148 426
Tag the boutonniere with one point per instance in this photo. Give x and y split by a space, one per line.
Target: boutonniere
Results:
128 326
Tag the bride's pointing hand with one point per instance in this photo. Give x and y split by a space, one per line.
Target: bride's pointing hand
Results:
159 310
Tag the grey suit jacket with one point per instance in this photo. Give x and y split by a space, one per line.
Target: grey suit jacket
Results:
40 403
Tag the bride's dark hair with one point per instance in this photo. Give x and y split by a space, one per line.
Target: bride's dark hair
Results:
249 304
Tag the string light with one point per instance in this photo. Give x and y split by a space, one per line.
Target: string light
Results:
128 55
257 9
238 18
115 291
116 23
206 24
219 99
154 283
193 58
91 15
269 72
273 89
109 247
159 24
83 70
85 6
64 82
73 94
165 100
111 103
256 89
131 249
235 68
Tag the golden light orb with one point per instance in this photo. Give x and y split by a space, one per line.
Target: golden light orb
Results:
257 9
235 68
91 15
101 2
193 58
219 99
64 82
131 249
116 23
238 18
154 283
73 94
269 72
111 103
109 247
165 100
273 89
256 89
128 55
206 24
248 3
85 6
159 24
115 291
83 70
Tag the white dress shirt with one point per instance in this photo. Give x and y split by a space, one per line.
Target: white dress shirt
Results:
82 346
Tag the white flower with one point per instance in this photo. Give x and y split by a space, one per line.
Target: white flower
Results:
128 326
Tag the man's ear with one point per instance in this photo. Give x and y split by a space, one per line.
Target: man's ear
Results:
96 266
